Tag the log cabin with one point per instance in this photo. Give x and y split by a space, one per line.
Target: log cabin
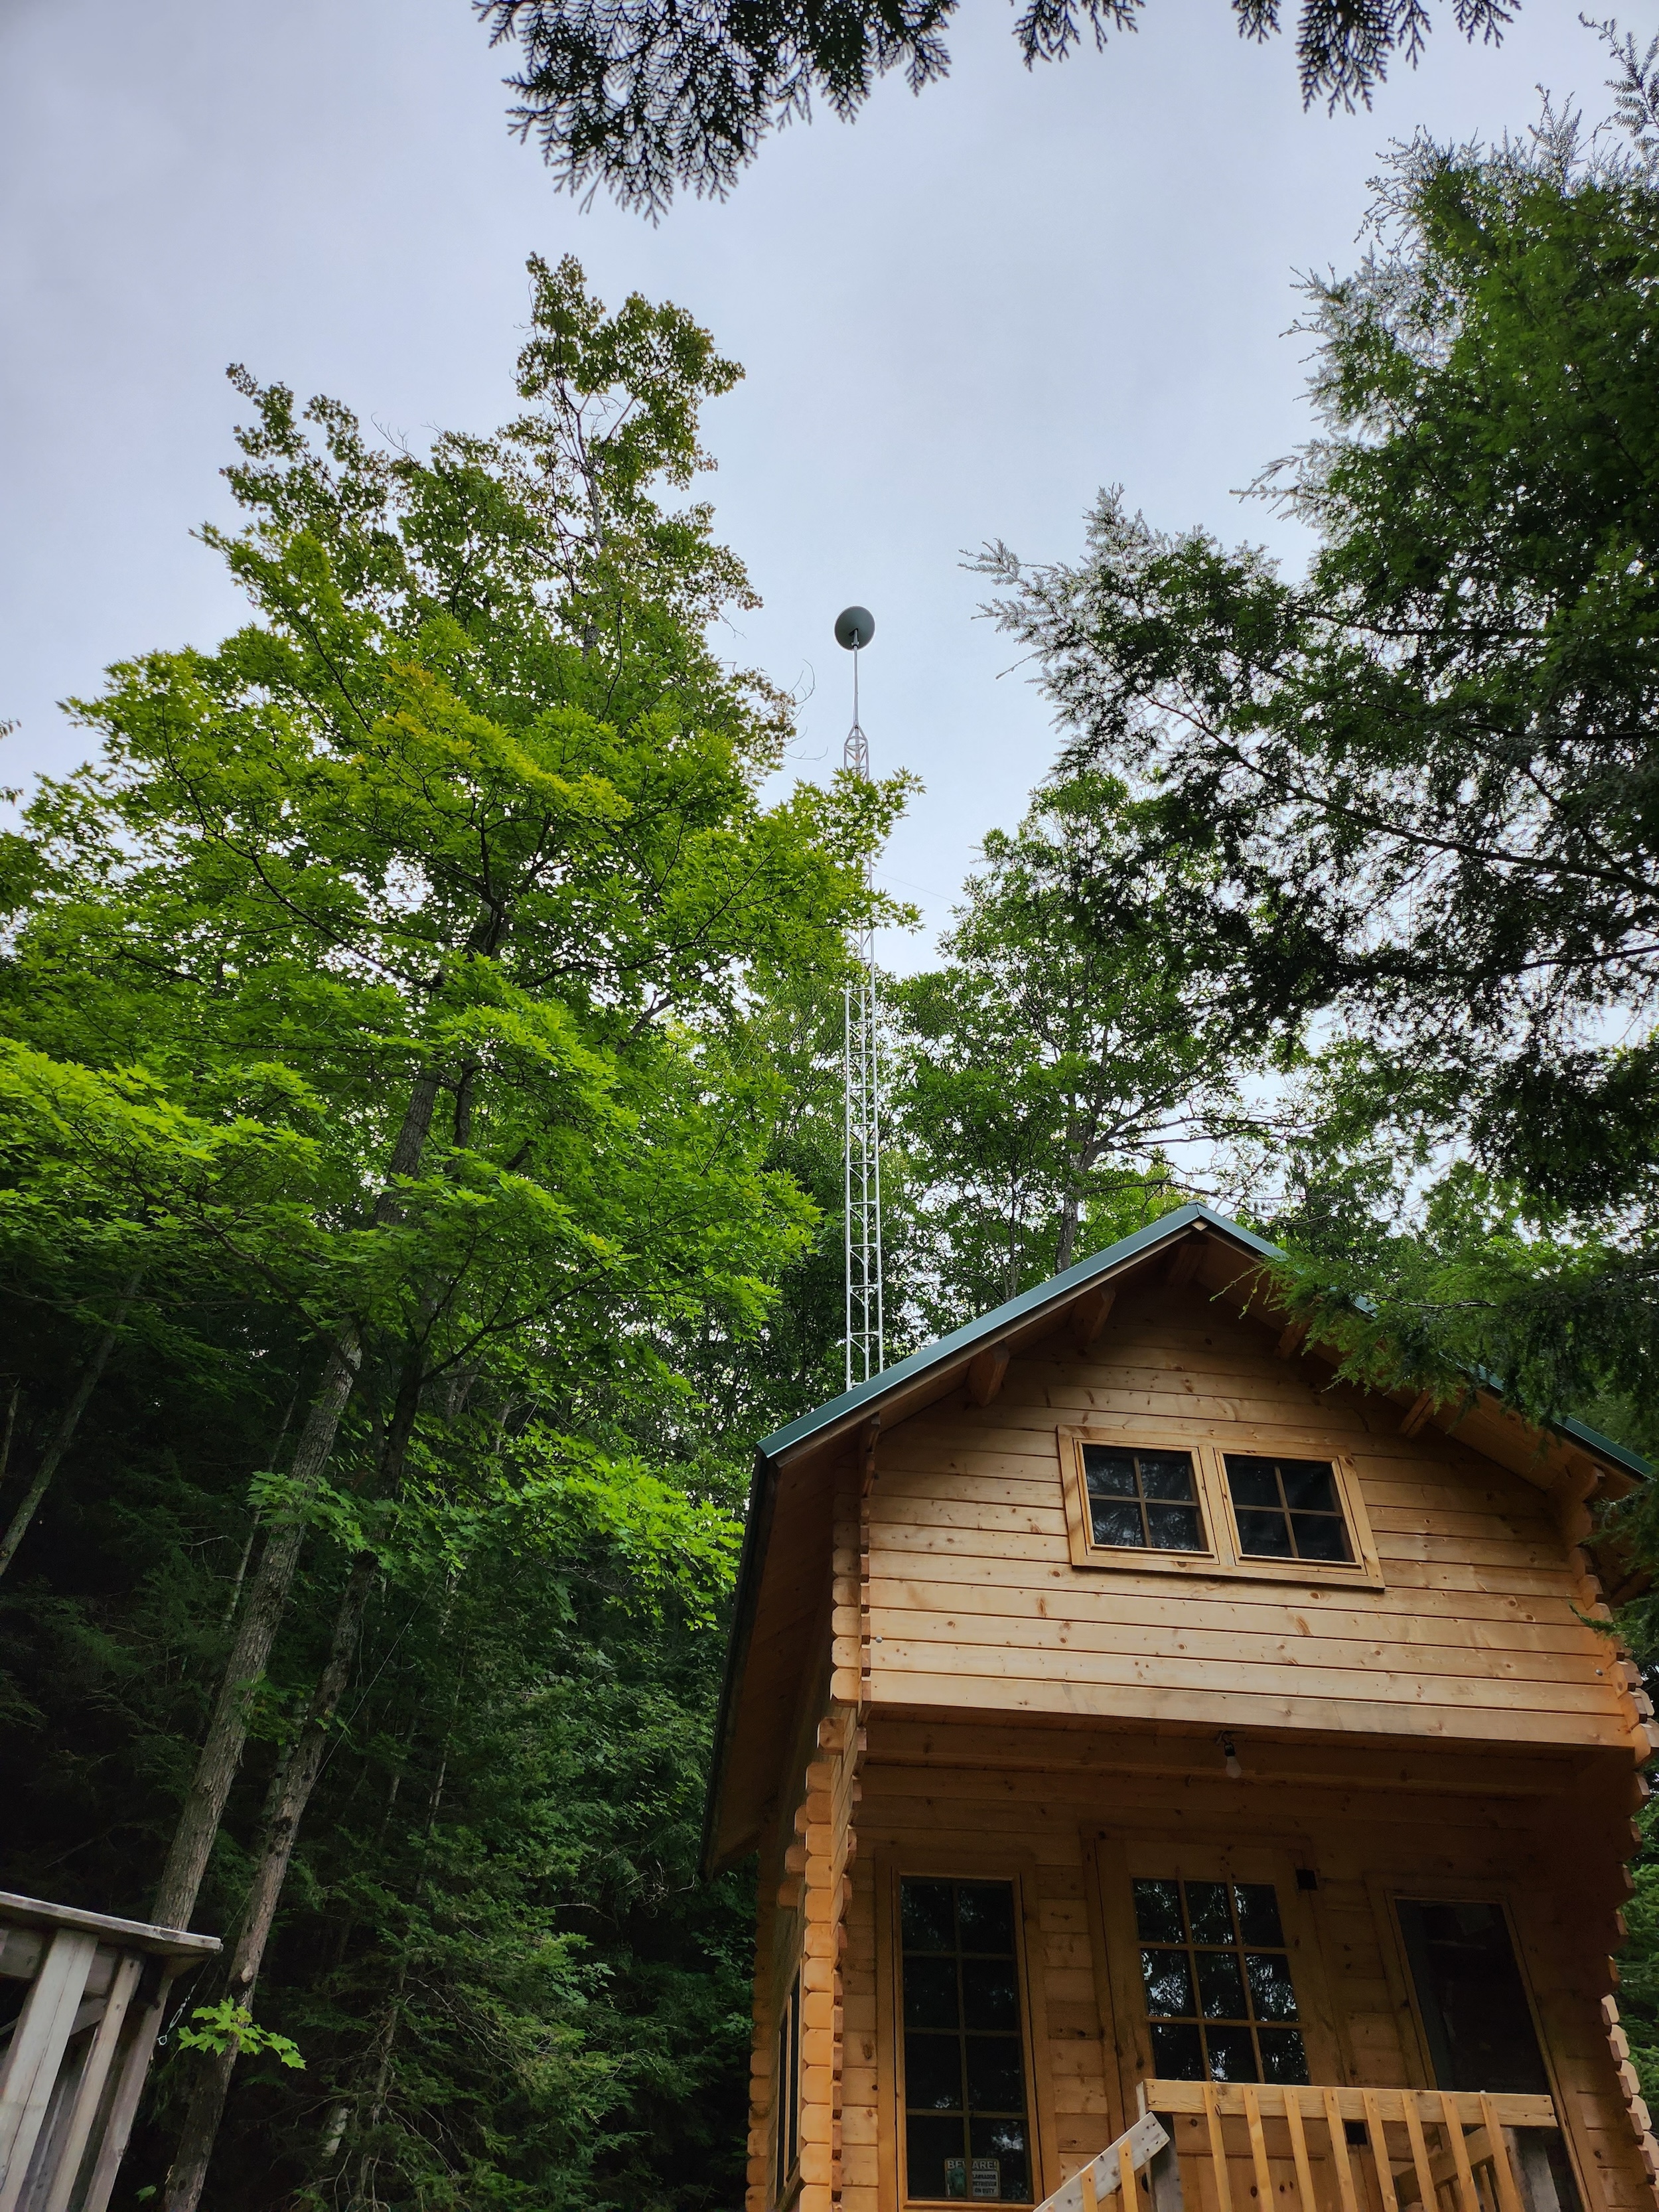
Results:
1177 1771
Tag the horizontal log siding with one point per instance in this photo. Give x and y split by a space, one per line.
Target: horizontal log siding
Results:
975 1602
960 1810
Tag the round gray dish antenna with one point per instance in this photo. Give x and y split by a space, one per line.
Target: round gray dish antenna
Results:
854 627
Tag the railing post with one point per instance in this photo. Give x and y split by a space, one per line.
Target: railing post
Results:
1164 2177
38 2044
1529 2156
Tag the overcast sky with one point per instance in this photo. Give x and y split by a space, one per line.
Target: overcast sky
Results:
959 317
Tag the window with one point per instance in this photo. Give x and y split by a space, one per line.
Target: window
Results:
1144 1501
1476 2020
965 2126
1158 1505
1216 1976
786 2110
1287 1508
1473 2003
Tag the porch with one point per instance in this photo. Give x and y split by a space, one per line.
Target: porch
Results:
1281 1996
1324 2148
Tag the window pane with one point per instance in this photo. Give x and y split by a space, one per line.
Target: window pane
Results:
1220 1985
1118 1526
1108 1473
1318 1537
1165 1474
1232 2055
1157 1912
930 1993
1258 1913
995 2075
932 2074
1251 1480
1206 1908
1272 1996
930 2143
1470 1994
925 1915
989 1998
1168 1983
985 1913
1309 1486
957 2055
1283 2059
1231 1971
1173 1528
1264 1537
1176 2051
1000 2166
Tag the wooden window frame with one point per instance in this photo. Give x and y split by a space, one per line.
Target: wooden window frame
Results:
1118 1862
1225 1558
962 1866
784 2185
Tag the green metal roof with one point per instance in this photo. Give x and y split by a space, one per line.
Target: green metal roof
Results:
1055 1291
1078 1278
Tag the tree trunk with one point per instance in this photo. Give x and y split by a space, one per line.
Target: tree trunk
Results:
267 1598
63 1435
256 1631
285 1804
1068 1228
240 1576
11 1424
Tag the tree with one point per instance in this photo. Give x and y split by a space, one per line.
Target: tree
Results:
1045 1071
1422 779
643 97
452 868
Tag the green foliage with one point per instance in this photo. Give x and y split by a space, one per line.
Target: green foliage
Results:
401 975
227 2027
1045 1071
1414 792
644 97
1639 1965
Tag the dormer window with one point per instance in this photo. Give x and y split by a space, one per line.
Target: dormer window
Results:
1163 1504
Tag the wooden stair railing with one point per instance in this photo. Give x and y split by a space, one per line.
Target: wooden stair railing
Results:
1144 2148
1488 2152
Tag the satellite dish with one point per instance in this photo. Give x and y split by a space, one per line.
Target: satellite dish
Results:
854 627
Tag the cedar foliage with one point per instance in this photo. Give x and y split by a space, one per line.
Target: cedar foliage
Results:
1411 794
645 98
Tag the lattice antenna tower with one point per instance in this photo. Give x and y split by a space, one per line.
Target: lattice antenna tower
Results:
861 1061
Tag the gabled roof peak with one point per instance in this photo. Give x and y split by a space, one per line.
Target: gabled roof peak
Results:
865 1399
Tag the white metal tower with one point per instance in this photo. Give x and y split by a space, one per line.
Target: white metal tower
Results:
861 1060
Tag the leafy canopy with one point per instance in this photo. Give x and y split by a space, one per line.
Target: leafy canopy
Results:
397 977
1046 1069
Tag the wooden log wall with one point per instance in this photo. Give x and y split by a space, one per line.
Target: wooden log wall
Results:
804 1925
1475 1634
1072 1818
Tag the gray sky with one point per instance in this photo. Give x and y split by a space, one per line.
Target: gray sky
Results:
959 317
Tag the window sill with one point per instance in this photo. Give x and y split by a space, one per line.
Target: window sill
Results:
1310 1574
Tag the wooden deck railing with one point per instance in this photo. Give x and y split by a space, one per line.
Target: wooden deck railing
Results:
72 2059
1377 2150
